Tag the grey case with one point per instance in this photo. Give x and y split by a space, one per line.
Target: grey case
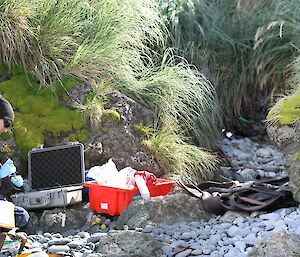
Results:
55 176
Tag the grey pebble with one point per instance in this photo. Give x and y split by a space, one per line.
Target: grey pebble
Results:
58 248
96 237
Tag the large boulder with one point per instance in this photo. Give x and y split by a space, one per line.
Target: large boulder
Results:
162 210
277 245
287 138
120 139
116 136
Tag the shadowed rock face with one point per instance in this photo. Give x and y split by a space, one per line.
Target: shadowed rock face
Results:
287 138
119 140
278 245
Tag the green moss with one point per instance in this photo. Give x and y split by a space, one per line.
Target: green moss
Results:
81 136
37 110
6 135
141 130
296 156
28 132
111 114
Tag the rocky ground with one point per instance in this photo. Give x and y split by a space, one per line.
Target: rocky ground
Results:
176 225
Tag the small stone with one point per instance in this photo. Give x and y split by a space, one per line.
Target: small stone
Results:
196 252
58 248
96 237
47 235
167 250
60 241
83 234
206 250
188 235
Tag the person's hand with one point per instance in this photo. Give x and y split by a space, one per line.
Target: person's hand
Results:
17 180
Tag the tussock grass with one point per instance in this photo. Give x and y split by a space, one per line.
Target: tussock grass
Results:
181 97
93 40
247 46
111 43
191 163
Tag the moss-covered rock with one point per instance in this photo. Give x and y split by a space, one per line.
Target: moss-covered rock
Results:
284 131
37 109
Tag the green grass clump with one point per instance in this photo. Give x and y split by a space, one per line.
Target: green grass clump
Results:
111 114
286 110
141 130
92 40
181 97
6 135
105 43
176 156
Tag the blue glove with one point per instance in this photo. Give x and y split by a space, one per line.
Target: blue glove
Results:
17 180
7 168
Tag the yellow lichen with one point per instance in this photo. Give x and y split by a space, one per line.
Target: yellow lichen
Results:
296 156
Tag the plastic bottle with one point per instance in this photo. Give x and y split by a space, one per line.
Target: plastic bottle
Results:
141 184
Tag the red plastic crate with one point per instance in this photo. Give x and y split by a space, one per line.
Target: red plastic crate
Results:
112 201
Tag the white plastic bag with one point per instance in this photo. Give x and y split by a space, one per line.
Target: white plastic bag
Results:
108 175
128 174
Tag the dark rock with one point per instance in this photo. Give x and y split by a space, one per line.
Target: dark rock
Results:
287 138
8 149
160 210
51 220
119 140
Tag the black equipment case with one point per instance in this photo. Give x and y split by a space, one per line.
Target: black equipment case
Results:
55 176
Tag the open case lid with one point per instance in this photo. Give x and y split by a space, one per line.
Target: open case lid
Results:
56 166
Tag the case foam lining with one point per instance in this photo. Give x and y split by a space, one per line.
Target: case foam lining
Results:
55 168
